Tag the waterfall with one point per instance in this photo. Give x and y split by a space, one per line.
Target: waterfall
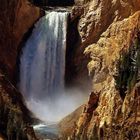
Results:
42 67
42 70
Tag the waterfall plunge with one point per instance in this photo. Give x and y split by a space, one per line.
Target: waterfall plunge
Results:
43 60
42 69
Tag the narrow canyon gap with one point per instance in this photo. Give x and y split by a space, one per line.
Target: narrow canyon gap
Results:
42 69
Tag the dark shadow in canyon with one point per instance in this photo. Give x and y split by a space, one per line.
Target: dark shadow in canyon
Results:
73 41
129 68
76 61
60 2
26 36
53 2
21 45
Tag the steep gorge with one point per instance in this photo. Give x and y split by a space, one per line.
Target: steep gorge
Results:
108 33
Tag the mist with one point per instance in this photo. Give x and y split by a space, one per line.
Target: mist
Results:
42 70
51 111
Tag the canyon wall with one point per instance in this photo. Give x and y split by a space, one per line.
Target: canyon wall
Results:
109 35
111 30
16 17
96 18
15 118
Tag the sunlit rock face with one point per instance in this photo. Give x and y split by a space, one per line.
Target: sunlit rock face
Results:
67 124
114 43
111 28
116 84
81 2
98 16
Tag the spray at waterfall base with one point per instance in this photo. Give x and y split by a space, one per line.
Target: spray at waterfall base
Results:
42 70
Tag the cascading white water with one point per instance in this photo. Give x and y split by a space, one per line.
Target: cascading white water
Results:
42 69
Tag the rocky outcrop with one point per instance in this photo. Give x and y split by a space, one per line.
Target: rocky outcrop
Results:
67 124
98 15
15 118
113 29
16 17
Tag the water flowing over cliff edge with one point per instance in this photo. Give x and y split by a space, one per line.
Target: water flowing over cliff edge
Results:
42 69
106 39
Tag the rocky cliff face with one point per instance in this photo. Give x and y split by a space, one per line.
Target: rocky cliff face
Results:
15 118
112 31
109 35
67 124
98 15
16 17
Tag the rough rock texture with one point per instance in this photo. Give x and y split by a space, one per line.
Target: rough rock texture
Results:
16 17
15 118
99 14
113 29
76 61
113 110
81 2
97 17
67 124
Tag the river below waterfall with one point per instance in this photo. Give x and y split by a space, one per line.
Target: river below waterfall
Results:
46 131
42 73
